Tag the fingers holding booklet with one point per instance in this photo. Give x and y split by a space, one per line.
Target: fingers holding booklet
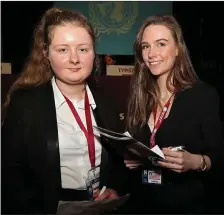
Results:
132 145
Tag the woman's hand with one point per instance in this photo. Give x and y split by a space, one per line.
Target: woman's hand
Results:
107 194
180 161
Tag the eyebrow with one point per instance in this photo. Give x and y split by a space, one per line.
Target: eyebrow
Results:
81 44
59 45
162 39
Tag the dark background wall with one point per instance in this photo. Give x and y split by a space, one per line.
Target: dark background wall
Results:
202 24
18 22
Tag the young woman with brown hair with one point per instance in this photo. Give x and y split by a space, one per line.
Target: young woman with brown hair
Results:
170 107
49 148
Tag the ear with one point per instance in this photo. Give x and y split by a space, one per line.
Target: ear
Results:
45 53
177 52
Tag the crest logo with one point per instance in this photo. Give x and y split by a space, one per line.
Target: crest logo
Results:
113 17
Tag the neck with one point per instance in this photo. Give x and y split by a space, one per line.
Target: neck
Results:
164 92
72 92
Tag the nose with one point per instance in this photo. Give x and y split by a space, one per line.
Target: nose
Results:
74 57
153 52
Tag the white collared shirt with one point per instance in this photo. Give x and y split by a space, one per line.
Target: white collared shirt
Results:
73 146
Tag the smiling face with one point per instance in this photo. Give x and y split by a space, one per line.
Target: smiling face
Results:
159 49
71 53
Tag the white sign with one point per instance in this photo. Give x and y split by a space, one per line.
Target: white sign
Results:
6 68
119 70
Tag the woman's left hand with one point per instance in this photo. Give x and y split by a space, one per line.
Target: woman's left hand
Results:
107 194
180 161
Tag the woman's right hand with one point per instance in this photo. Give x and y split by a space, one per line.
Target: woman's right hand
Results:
132 164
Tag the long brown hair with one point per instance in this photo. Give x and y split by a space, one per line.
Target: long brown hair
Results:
144 90
37 69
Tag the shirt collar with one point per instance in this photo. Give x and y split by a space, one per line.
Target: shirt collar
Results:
59 98
91 99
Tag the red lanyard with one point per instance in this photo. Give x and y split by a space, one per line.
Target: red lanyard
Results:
159 121
89 132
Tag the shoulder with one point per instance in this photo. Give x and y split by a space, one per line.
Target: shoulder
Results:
202 87
21 96
24 96
200 91
201 98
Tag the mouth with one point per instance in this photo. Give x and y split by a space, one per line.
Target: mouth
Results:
155 62
74 69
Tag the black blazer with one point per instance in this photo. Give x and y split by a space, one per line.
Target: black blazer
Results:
31 177
194 122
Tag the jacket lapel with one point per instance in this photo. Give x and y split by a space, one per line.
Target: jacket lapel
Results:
99 114
53 173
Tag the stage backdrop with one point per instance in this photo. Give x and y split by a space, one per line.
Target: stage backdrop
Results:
117 21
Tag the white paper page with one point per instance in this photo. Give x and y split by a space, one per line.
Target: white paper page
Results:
158 151
127 134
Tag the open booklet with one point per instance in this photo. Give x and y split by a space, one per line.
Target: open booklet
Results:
90 207
133 145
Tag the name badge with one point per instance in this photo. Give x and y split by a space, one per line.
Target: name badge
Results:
152 176
93 181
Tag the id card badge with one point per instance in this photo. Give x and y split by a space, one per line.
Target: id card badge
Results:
93 181
152 176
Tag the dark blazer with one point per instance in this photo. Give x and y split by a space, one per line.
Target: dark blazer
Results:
31 177
193 122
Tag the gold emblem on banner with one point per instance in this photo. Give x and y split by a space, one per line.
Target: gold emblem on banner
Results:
113 17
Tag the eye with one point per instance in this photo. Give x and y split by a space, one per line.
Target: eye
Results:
63 50
145 47
83 49
161 44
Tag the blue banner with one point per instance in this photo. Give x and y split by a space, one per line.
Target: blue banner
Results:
117 22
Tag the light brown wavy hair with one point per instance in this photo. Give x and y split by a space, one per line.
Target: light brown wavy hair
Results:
144 90
37 69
